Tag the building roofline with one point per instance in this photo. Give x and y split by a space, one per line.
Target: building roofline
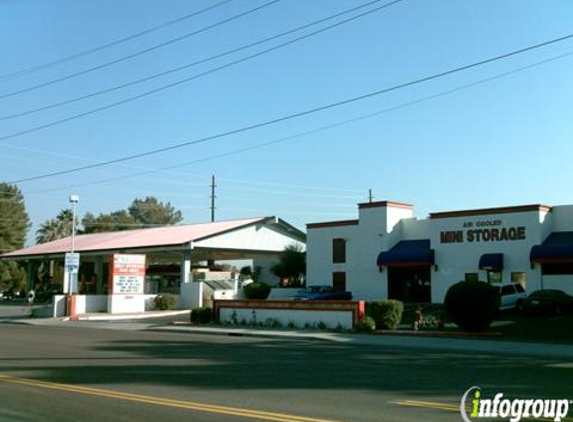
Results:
340 223
488 211
390 204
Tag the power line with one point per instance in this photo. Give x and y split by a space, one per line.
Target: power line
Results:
187 66
180 82
39 67
314 131
298 114
307 133
139 53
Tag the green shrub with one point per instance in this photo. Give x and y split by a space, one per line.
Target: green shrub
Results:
164 302
201 315
472 305
387 313
257 291
366 325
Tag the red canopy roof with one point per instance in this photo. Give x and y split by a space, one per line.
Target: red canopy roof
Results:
140 238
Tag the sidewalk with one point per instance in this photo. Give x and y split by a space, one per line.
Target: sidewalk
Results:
425 340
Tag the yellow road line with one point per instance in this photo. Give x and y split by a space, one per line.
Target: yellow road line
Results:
201 407
428 405
444 406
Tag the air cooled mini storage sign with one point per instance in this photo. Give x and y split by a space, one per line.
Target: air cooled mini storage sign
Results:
128 274
483 231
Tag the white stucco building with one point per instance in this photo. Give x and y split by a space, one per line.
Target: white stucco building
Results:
386 253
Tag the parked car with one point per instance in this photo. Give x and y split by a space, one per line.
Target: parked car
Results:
322 293
555 301
45 294
512 296
7 295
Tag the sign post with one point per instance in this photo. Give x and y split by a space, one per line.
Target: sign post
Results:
72 264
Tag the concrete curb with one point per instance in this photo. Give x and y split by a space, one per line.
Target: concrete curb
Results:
429 343
244 332
126 317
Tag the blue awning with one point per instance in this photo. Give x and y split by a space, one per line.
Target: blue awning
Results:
407 253
558 247
491 262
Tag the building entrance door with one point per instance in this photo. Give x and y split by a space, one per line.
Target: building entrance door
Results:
410 284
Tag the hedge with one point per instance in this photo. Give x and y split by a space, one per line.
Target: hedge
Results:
386 313
257 291
165 302
202 315
366 325
472 305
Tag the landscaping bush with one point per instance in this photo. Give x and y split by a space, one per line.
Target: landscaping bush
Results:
366 325
257 291
472 305
201 315
387 314
165 302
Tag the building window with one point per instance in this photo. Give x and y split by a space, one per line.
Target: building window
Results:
338 251
519 278
494 277
339 281
472 277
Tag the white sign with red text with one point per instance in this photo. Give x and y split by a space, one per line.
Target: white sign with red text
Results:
128 274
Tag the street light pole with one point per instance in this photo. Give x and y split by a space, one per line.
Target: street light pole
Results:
74 199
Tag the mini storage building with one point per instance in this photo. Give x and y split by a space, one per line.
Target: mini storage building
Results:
386 253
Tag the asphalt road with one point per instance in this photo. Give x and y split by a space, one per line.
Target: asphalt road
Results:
88 374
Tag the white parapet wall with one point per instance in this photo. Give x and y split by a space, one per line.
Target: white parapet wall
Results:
285 313
113 304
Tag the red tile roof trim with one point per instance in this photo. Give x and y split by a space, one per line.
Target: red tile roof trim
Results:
488 211
389 204
332 224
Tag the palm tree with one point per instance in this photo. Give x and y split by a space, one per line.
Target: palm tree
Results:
291 266
56 228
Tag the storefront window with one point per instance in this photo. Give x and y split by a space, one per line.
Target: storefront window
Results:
518 278
494 277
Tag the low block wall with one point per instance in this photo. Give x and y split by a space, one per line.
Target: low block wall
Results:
333 314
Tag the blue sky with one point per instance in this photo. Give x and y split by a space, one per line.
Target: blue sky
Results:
503 142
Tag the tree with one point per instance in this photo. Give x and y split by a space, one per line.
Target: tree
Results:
115 221
14 225
56 228
150 211
141 213
291 265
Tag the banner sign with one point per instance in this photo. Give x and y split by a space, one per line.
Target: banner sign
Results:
128 274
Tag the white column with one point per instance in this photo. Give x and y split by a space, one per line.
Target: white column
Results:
186 275
188 294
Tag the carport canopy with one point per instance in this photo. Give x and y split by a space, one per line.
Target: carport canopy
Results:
224 240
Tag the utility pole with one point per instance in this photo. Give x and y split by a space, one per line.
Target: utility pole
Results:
370 197
213 196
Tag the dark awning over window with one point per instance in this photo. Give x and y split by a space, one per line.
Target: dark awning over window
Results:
558 247
491 262
408 252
